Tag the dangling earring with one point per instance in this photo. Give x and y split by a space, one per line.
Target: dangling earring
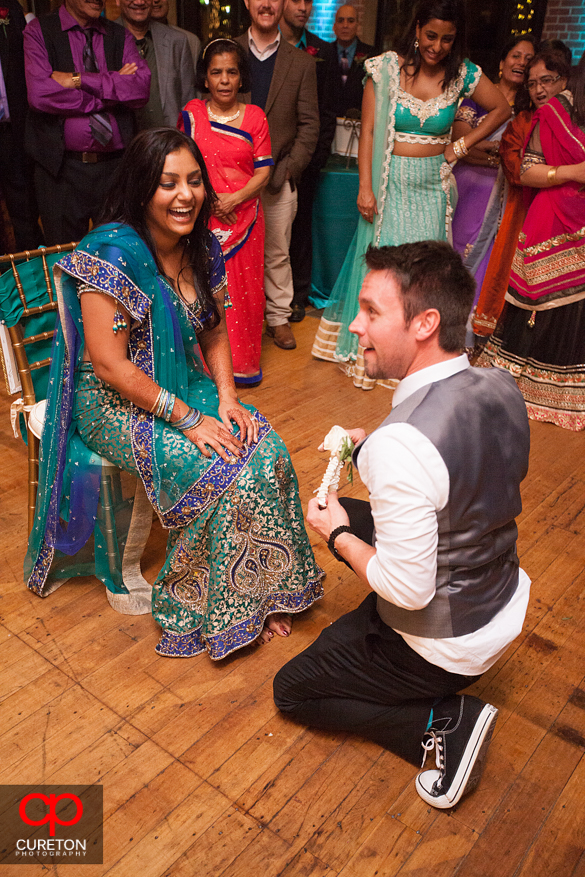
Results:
415 46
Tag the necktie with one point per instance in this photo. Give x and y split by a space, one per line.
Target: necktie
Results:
344 66
99 123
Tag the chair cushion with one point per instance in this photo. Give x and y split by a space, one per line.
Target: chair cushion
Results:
36 418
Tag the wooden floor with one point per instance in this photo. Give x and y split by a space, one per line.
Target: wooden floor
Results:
203 777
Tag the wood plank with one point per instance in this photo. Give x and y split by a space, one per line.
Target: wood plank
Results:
50 737
301 814
559 847
363 805
524 810
386 851
180 822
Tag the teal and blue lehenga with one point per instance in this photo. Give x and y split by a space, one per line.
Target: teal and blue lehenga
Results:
237 548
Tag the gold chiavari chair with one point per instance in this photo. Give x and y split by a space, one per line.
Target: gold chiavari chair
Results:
28 310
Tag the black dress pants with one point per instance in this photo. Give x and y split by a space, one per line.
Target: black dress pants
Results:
361 676
16 179
68 201
301 241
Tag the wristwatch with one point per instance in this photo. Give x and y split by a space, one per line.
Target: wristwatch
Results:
331 541
76 79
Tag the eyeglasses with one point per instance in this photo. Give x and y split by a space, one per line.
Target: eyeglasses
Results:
545 81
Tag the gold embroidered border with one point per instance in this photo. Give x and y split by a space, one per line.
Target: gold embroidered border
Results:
549 268
557 241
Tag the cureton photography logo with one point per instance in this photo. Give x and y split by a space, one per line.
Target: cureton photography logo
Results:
51 825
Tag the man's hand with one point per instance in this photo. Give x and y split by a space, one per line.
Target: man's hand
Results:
356 435
128 69
323 521
64 79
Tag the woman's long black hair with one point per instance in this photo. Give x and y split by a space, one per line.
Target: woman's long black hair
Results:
134 185
445 10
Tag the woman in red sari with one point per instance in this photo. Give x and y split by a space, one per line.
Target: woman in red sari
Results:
548 71
235 143
540 337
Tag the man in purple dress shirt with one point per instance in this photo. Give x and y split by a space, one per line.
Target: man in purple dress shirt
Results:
84 78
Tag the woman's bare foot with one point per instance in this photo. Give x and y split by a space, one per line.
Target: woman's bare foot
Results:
280 623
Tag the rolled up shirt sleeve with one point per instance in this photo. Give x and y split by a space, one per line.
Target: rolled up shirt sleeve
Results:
132 90
408 484
98 90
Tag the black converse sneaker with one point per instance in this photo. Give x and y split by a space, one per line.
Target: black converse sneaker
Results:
461 731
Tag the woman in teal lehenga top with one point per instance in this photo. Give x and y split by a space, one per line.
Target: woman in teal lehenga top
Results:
405 158
135 299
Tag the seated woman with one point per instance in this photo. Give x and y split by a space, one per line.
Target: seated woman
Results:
136 297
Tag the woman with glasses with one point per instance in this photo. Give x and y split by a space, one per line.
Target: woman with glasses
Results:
547 73
540 337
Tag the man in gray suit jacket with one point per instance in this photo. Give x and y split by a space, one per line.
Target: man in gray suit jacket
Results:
160 12
167 53
284 85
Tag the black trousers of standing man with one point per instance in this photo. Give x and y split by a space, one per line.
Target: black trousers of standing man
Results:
361 676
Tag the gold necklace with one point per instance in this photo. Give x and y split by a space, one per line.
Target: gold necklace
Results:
221 119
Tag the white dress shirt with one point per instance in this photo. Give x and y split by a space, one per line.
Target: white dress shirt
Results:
263 54
408 484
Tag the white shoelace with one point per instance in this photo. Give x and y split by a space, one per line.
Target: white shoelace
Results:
434 741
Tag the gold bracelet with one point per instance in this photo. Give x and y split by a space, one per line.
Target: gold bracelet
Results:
157 400
552 175
459 148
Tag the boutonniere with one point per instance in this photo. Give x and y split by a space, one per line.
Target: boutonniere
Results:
360 57
312 50
4 17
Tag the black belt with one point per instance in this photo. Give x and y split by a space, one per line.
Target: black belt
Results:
93 157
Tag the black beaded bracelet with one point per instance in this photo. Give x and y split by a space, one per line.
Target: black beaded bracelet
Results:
333 536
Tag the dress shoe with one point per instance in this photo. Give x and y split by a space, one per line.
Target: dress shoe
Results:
283 336
297 313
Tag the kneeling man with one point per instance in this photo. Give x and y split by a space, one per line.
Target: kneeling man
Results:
437 541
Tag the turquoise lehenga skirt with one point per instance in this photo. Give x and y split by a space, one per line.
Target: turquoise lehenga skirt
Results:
415 209
246 555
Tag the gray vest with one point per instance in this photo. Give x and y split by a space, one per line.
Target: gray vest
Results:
477 421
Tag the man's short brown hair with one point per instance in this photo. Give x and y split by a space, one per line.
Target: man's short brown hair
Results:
430 274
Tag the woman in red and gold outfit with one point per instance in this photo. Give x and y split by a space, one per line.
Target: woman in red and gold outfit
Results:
540 337
548 71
